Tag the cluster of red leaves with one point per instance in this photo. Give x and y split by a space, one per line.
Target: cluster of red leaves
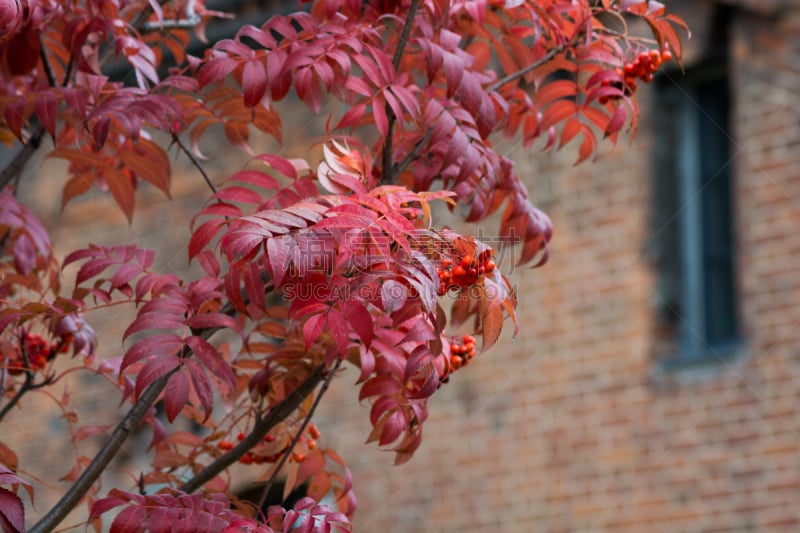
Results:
171 513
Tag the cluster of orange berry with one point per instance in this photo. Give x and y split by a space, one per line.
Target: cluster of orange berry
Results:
643 67
465 272
253 457
462 352
38 352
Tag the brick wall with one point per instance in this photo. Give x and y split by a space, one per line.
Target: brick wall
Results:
573 426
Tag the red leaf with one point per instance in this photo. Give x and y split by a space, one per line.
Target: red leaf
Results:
312 328
212 360
254 82
393 427
203 235
215 69
176 395
617 121
378 386
154 369
360 320
121 189
201 386
12 512
129 519
213 320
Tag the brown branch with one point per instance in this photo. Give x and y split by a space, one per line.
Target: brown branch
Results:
536 64
276 415
285 456
386 161
194 161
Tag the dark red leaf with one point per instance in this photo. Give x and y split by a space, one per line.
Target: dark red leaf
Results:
176 395
212 360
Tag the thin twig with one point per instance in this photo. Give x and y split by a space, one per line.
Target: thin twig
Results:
276 415
386 162
536 64
285 456
194 161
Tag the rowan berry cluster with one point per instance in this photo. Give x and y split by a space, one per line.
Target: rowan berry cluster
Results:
254 456
462 350
643 68
465 272
37 351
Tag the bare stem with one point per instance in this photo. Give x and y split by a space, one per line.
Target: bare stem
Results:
276 415
194 161
285 456
386 161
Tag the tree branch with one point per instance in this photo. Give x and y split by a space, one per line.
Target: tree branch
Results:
276 415
285 456
386 161
194 161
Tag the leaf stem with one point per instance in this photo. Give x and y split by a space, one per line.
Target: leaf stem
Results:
276 415
387 174
285 456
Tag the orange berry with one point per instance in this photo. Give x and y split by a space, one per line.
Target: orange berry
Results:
466 261
313 431
490 265
298 457
225 445
666 55
459 272
312 444
456 361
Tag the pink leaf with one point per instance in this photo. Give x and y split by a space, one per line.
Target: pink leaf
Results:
12 512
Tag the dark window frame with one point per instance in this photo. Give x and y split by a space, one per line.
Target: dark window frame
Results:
694 218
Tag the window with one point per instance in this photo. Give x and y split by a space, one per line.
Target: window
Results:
693 218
